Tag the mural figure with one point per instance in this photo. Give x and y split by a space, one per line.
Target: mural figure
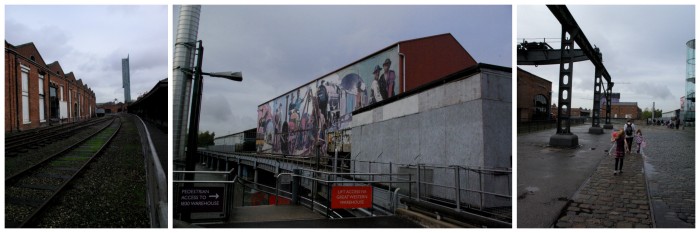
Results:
293 124
390 78
377 89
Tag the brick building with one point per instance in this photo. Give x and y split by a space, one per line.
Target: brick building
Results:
534 97
623 110
112 107
39 94
327 102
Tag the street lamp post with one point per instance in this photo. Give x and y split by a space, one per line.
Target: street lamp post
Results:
191 154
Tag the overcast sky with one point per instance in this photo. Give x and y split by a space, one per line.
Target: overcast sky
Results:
90 41
279 48
643 47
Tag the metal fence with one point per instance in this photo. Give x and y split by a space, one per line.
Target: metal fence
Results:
385 199
462 188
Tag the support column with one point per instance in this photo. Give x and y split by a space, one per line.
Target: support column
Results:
564 137
608 99
255 174
595 115
240 172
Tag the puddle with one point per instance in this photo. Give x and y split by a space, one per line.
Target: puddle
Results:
531 189
649 170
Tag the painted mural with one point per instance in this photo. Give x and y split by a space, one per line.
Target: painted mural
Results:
293 123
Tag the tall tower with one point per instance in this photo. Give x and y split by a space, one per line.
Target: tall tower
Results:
126 82
689 102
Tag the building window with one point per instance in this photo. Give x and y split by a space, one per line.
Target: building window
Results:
42 117
25 96
541 106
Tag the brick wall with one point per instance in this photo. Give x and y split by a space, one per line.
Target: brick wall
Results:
529 86
27 56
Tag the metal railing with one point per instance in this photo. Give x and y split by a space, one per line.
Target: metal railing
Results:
157 183
330 179
462 188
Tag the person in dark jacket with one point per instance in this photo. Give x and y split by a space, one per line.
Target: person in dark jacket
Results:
621 145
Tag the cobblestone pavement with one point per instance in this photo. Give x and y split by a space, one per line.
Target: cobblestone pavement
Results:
670 167
608 200
664 175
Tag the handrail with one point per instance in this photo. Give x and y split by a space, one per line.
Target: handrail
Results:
329 183
161 180
207 172
462 181
395 201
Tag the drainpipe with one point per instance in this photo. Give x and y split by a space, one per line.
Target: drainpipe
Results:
17 95
403 69
48 76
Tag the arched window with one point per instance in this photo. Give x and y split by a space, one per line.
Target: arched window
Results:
541 105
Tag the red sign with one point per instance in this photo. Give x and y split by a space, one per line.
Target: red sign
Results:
349 197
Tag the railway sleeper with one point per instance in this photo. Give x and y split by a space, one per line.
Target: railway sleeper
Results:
52 175
39 187
68 169
23 201
75 158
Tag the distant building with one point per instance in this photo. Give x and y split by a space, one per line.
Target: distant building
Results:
126 80
237 142
626 110
112 107
39 94
534 97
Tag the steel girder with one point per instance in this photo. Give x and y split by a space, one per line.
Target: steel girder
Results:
546 56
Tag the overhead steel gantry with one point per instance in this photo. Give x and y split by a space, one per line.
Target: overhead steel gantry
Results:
543 54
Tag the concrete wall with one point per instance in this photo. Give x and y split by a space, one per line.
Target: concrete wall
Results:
466 122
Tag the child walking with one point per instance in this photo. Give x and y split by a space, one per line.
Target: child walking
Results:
639 139
619 139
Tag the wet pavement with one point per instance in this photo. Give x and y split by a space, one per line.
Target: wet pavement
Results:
609 200
670 166
577 188
549 177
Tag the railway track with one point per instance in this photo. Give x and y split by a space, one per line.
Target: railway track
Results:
36 139
30 191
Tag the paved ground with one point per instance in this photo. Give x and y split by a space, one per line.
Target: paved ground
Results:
608 200
670 160
548 177
664 173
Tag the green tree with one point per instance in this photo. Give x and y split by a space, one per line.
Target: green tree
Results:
647 113
205 139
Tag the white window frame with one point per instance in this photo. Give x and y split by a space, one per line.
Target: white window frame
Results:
25 94
42 101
